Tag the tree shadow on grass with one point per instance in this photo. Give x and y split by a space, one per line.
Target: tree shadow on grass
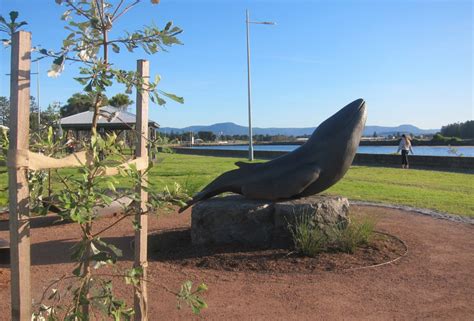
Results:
38 222
59 251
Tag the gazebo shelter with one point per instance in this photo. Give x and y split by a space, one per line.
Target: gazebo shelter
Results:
111 119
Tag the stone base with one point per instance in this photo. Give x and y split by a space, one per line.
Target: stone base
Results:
237 220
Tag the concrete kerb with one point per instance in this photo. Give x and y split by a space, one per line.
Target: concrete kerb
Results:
416 210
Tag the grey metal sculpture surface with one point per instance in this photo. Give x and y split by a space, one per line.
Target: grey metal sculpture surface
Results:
310 169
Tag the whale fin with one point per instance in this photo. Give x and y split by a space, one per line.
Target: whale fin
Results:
281 187
245 165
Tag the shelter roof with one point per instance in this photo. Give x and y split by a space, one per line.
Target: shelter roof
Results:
110 118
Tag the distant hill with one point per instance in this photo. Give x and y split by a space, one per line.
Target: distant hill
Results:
234 129
408 129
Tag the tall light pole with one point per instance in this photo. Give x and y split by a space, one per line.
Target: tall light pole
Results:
247 22
38 93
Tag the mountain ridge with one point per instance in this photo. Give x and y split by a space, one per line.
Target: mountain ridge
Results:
229 128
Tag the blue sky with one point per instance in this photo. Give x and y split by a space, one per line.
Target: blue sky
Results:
411 60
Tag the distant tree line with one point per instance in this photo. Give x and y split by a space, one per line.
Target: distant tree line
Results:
461 130
209 136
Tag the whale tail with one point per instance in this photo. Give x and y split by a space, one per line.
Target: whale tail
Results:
196 198
227 182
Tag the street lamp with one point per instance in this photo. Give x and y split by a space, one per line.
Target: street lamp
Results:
247 22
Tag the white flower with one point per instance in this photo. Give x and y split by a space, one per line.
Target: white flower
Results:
83 55
56 70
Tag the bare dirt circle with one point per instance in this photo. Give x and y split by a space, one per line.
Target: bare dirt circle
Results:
433 281
174 246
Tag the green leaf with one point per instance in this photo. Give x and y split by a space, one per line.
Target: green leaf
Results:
136 225
202 287
59 60
157 99
94 249
157 79
50 135
115 250
111 186
107 199
13 15
88 88
66 15
195 309
77 270
187 286
173 97
115 48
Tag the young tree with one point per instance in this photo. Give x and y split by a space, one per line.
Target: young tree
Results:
89 23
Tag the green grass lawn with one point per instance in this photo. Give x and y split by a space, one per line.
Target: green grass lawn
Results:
443 191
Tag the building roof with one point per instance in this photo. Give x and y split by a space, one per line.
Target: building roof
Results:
110 118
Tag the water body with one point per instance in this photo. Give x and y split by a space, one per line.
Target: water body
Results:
418 150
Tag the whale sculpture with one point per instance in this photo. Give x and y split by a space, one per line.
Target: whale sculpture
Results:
310 169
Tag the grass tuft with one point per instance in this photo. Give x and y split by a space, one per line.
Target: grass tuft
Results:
308 239
357 233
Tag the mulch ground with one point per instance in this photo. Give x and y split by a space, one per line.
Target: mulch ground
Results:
434 280
175 247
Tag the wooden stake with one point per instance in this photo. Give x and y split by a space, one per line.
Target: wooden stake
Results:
141 235
17 177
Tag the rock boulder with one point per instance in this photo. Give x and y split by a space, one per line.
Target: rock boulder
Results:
236 220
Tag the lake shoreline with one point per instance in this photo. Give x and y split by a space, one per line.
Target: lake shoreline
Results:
467 143
445 150
442 163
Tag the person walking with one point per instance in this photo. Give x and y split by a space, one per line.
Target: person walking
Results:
405 147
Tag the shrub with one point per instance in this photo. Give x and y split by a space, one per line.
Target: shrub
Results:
445 139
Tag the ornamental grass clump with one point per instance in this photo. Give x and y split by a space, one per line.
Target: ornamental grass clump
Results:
356 234
310 240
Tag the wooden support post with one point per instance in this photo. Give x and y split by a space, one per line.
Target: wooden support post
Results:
141 235
17 177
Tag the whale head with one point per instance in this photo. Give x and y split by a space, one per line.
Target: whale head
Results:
344 127
346 120
334 143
